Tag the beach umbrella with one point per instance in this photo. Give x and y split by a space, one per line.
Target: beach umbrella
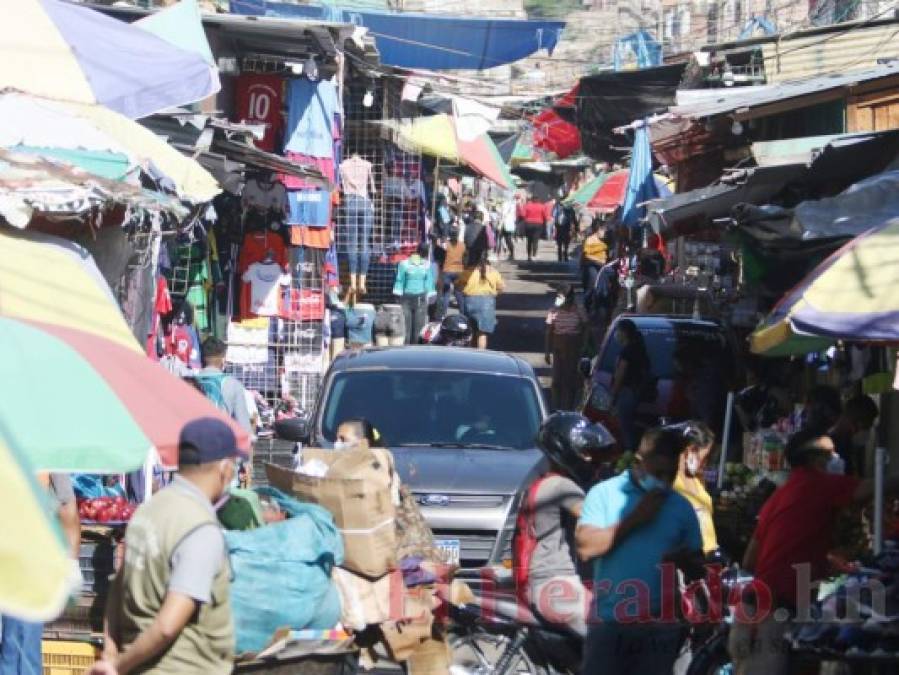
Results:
72 53
611 189
849 296
73 401
437 136
99 140
36 574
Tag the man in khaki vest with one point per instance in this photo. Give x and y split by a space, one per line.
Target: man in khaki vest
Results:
168 609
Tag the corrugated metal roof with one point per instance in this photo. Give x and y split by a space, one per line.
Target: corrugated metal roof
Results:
816 55
736 98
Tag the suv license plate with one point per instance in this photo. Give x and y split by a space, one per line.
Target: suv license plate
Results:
451 549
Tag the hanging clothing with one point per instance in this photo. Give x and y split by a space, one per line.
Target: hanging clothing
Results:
264 196
255 247
309 207
263 282
311 110
355 176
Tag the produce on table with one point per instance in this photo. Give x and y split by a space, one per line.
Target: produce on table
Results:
105 509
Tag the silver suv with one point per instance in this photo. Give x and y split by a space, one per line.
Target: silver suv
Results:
462 426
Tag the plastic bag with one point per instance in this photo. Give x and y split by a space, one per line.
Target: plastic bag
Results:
281 573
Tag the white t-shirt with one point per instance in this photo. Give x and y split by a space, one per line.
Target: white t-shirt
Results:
265 197
509 215
265 282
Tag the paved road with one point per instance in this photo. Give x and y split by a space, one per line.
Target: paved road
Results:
521 310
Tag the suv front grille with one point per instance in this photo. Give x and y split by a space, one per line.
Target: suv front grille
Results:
476 546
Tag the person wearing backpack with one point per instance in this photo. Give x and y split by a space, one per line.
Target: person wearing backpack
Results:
546 576
225 391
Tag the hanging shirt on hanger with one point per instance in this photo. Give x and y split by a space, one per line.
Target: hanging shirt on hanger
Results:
263 196
355 176
255 247
310 117
264 281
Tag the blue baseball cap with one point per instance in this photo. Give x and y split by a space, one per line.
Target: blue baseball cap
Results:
205 440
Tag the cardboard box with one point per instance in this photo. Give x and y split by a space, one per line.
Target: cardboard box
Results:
358 491
406 633
431 658
365 602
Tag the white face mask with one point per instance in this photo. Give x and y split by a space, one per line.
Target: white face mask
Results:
692 464
560 300
341 445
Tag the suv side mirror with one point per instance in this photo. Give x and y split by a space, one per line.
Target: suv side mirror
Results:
295 429
585 367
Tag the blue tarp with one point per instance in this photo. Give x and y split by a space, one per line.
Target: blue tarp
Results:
647 52
641 184
432 42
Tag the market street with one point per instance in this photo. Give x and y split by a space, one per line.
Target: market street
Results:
279 398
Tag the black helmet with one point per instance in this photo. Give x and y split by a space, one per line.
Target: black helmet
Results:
455 329
568 438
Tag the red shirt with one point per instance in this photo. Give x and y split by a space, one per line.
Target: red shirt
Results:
534 213
795 527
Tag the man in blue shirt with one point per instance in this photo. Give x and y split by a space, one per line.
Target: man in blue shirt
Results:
630 525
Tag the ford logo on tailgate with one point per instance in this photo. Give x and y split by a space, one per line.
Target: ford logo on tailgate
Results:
434 500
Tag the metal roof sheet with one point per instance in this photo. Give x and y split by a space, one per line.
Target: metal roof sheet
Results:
734 99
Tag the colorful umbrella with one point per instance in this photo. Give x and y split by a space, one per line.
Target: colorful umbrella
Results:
97 139
555 134
60 50
612 191
76 402
437 136
849 296
36 575
50 280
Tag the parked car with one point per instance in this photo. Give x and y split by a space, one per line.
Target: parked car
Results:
691 360
461 424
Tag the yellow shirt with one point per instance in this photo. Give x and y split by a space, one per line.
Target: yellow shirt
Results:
701 501
492 284
595 249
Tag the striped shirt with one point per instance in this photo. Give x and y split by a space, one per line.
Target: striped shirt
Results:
567 321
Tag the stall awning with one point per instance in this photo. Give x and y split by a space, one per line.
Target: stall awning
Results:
609 100
433 42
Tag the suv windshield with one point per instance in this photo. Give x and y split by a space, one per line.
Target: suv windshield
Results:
665 341
450 408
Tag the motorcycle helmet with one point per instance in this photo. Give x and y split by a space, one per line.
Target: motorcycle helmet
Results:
568 439
456 330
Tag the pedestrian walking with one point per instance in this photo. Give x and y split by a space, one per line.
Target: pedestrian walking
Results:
563 218
630 380
534 215
225 391
453 269
482 284
168 609
414 283
507 223
566 329
594 255
792 537
699 439
630 527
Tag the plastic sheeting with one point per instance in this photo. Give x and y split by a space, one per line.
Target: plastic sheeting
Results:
282 573
641 46
433 42
609 100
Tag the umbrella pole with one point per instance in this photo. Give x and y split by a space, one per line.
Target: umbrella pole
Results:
725 436
879 466
434 193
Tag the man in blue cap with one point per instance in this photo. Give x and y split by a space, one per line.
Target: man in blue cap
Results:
168 609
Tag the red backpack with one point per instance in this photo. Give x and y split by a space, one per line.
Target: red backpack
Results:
524 541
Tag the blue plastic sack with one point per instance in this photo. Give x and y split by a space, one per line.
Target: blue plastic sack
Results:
90 486
281 573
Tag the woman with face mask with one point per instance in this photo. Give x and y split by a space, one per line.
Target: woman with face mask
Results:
689 483
566 330
352 432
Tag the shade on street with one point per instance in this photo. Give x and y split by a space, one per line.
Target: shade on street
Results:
850 296
36 574
61 50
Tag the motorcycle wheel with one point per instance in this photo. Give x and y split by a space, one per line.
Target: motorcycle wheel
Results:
476 653
712 658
